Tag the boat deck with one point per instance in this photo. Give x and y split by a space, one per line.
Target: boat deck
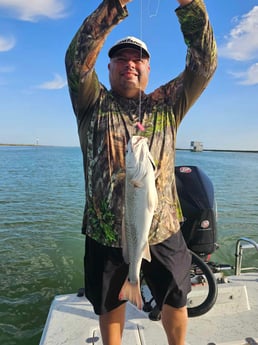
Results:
234 318
232 321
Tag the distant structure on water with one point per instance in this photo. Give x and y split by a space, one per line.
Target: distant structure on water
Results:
196 146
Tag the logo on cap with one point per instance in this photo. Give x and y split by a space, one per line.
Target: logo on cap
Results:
129 42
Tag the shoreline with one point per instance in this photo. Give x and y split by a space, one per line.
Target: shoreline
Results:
220 150
20 144
177 149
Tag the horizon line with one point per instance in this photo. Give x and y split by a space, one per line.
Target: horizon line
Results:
179 149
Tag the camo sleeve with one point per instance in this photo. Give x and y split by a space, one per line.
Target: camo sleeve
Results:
201 58
83 51
198 36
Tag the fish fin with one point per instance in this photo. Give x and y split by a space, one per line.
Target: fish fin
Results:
137 178
152 200
136 183
139 173
131 292
146 253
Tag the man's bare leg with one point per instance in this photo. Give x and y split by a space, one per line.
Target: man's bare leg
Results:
112 325
174 321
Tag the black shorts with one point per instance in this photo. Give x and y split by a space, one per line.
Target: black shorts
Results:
167 275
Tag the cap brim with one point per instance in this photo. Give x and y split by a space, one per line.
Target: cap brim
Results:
121 46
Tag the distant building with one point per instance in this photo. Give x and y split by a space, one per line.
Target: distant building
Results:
196 146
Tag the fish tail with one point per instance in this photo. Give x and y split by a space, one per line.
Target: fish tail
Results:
131 292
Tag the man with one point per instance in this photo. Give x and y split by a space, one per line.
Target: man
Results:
106 120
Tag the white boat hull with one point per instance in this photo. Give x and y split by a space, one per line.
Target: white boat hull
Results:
232 321
71 321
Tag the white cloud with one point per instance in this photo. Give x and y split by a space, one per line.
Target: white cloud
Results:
249 77
242 41
30 10
57 83
6 43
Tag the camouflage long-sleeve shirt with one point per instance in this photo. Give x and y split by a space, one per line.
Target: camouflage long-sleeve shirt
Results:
106 120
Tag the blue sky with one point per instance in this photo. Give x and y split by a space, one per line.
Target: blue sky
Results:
34 100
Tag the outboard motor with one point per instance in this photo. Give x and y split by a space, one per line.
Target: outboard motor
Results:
196 195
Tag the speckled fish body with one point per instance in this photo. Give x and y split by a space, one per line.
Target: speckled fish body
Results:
140 203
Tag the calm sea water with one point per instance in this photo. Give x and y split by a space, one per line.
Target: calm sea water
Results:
41 205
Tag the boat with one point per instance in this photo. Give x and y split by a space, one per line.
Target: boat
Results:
223 303
232 320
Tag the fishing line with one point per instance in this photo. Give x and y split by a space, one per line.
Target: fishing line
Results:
153 12
139 123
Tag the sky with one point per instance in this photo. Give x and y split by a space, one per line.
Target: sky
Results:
35 107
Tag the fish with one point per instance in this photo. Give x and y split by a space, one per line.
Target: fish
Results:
141 200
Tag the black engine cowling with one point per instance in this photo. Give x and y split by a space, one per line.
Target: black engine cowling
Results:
196 195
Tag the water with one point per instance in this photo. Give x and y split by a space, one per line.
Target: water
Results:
41 205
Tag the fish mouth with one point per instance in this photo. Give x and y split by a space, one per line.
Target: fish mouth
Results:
138 138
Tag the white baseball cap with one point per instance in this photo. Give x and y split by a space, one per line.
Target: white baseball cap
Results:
129 42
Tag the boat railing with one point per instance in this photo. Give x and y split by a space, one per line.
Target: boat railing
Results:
241 244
